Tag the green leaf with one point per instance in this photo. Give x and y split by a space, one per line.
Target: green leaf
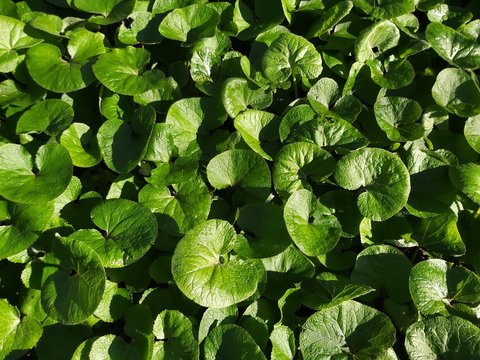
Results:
443 338
395 231
327 290
466 178
386 9
329 133
17 332
259 129
161 6
342 204
375 40
142 28
323 94
243 169
115 302
454 47
82 145
436 286
263 231
63 74
21 226
397 116
311 225
224 340
208 273
189 122
179 207
238 95
109 11
190 23
122 71
455 90
28 180
123 144
297 164
283 343
128 231
330 18
472 132
176 336
384 268
12 38
293 118
440 233
347 330
432 191
207 56
108 346
213 317
382 178
290 56
51 116
72 293
391 73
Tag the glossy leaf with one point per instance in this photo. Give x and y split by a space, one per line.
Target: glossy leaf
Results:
206 271
29 180
381 176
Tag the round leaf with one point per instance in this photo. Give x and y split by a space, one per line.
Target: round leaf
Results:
205 270
397 116
82 145
381 176
128 231
121 71
455 90
224 339
329 133
436 285
179 207
259 129
375 40
238 94
311 225
243 169
39 180
123 144
384 268
51 115
347 330
190 23
17 332
290 55
176 335
72 293
443 338
454 47
298 163
472 132
109 11
49 69
264 231
466 177
22 224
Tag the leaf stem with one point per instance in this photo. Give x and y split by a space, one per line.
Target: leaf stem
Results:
476 215
295 86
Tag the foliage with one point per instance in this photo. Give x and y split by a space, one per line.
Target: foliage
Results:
241 179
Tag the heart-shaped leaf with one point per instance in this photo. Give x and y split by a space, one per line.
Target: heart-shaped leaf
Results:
28 180
208 273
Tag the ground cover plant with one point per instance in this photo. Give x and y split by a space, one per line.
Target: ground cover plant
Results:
249 179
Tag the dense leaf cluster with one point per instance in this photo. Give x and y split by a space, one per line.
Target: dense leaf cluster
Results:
248 179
